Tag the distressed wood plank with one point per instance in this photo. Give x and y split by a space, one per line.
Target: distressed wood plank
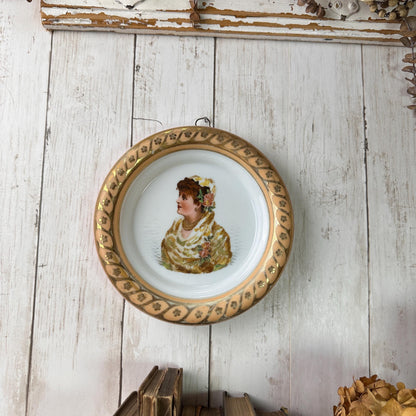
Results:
222 18
173 86
77 333
251 353
173 83
24 57
329 314
308 120
391 194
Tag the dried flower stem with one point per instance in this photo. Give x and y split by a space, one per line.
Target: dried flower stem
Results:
408 30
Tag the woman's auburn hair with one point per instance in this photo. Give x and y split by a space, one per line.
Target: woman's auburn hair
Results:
191 187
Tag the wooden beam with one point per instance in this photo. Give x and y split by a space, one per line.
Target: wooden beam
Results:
220 18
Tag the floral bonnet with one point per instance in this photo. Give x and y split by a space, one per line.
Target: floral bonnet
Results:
207 200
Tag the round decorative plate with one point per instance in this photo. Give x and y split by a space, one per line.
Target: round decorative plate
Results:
193 225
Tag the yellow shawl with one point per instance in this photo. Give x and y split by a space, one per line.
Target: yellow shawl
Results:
206 249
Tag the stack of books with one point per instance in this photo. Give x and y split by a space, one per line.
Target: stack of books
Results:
160 394
232 406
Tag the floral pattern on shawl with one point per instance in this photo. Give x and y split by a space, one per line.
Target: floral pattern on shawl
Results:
206 249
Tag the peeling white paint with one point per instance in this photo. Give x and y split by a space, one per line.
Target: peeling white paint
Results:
244 19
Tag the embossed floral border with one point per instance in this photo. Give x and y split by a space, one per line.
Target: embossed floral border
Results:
185 311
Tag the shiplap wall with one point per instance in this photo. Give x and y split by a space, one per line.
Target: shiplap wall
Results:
333 120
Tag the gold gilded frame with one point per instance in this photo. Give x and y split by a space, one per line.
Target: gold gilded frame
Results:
181 310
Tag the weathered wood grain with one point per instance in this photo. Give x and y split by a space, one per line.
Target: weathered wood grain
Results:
24 62
329 280
77 331
173 87
392 216
173 83
222 18
302 106
260 338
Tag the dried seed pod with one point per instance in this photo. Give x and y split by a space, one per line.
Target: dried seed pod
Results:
384 393
392 407
409 58
352 393
402 11
412 91
406 41
371 396
359 386
405 396
408 26
398 8
320 12
312 8
195 17
408 31
339 411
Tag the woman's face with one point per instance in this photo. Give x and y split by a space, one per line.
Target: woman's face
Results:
186 205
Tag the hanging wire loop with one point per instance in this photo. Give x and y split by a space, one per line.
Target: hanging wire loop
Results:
205 119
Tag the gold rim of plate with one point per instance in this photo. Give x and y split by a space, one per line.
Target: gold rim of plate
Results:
181 310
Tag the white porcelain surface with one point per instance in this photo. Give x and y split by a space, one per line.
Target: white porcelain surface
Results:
149 208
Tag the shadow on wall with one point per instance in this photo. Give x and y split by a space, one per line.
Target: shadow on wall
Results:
313 389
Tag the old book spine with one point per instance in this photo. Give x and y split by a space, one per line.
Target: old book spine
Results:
149 396
143 387
129 406
165 395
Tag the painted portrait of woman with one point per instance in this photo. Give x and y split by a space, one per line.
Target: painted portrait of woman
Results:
195 243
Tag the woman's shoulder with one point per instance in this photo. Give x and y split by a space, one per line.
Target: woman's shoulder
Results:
218 230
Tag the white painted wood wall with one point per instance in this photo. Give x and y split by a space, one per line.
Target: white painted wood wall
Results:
333 120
